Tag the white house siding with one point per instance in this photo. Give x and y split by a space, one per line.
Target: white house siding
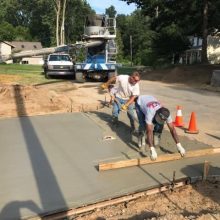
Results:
37 60
193 55
5 50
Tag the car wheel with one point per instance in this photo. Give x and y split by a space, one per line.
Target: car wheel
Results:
79 77
47 76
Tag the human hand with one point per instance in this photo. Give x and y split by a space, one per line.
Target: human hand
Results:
104 86
180 149
124 107
153 153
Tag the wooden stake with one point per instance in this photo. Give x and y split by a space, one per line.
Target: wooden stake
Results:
162 158
205 170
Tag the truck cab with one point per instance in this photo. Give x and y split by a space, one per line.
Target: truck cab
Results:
58 64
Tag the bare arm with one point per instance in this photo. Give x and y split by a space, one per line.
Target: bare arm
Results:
149 133
131 100
173 132
112 80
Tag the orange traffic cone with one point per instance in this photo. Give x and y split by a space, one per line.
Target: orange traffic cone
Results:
179 118
192 125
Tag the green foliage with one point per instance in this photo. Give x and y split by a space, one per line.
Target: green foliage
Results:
7 32
111 12
22 34
136 37
174 20
36 20
76 13
158 29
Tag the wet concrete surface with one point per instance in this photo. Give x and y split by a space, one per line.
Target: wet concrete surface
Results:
49 163
205 104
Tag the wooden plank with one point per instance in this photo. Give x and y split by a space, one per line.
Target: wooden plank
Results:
161 158
110 202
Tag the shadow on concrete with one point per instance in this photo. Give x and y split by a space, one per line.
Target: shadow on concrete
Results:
211 135
47 185
48 83
13 208
121 129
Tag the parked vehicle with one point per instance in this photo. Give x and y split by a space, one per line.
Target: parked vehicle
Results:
99 48
100 62
58 64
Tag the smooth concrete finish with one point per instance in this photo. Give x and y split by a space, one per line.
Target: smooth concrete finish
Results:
48 163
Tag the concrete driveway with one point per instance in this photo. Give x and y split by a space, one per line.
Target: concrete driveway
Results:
49 163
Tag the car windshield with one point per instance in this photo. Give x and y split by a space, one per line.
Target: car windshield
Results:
59 58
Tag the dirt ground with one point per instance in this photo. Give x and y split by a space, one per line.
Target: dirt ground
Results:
199 201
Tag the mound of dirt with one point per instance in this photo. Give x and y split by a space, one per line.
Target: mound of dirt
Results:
18 100
198 75
199 201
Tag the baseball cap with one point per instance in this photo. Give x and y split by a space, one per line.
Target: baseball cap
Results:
161 115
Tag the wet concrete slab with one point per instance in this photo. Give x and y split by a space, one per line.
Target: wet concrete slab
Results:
49 163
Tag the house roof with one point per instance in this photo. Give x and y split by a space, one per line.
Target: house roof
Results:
25 45
8 43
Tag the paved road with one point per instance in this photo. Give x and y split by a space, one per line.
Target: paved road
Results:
48 163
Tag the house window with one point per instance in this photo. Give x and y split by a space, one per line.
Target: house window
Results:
22 46
35 47
24 62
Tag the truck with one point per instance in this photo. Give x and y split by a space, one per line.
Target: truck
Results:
57 64
100 62
98 43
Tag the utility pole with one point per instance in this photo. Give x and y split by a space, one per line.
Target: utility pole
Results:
131 50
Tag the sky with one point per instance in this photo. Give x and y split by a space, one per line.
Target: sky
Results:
120 6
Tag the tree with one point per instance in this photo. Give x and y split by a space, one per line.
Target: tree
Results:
137 26
60 8
7 32
192 17
76 12
111 12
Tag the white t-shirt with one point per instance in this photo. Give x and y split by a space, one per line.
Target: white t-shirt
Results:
124 89
149 105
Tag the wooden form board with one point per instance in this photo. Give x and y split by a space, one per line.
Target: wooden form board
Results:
161 158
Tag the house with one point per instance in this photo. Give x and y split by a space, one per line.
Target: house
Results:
24 46
6 49
194 54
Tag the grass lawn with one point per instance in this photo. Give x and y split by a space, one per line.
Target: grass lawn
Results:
23 74
33 74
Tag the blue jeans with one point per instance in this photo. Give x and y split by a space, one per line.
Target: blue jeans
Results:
117 108
158 128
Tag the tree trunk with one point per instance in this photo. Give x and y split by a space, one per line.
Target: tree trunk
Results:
205 32
62 30
57 9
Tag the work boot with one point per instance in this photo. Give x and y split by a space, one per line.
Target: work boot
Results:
157 138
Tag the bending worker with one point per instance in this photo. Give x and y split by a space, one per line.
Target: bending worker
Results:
126 91
152 116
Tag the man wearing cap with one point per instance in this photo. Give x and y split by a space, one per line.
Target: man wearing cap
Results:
152 116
